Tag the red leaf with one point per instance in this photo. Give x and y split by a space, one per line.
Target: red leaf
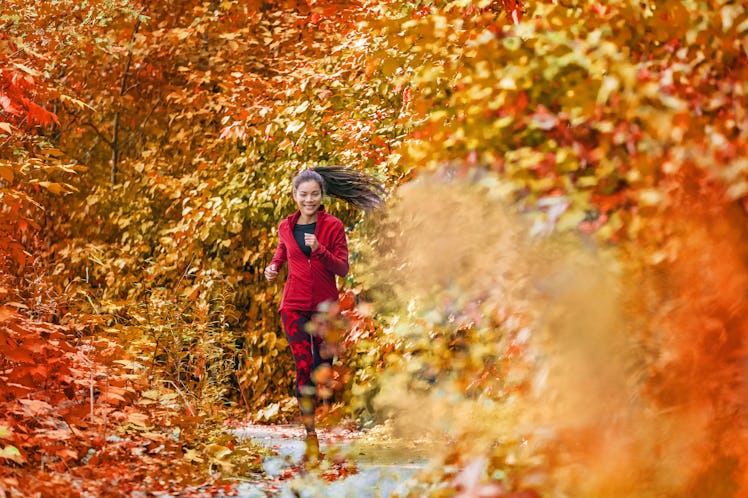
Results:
39 115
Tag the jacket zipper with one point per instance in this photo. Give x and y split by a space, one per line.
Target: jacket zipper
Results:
311 277
311 282
311 294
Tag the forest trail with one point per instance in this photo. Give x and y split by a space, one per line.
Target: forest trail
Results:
356 464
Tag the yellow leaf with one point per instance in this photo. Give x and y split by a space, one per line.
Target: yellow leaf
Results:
268 412
302 107
610 84
79 103
743 26
183 34
294 126
152 394
191 292
193 456
6 127
570 220
270 339
649 197
12 453
217 451
737 190
5 431
27 69
512 43
586 181
507 83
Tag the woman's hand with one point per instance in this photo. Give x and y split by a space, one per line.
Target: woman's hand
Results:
271 272
311 240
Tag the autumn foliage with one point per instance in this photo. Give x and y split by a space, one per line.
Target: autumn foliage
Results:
619 123
146 152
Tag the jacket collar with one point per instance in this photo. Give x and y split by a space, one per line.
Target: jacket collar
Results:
321 214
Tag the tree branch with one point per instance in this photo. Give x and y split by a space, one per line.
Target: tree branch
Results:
100 135
145 120
123 89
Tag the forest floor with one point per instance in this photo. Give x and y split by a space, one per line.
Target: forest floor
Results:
357 464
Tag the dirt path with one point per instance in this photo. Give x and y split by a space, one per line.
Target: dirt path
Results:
357 464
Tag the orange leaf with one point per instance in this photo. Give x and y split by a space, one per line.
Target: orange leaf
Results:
7 313
55 188
138 419
19 355
35 407
66 453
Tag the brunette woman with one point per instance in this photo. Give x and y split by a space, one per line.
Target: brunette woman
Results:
314 244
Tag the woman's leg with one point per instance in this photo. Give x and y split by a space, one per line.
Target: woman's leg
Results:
323 354
305 349
318 359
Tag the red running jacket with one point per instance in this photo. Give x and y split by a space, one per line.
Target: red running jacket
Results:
311 281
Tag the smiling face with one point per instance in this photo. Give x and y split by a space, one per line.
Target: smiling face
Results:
308 196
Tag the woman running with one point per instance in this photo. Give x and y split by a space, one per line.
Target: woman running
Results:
315 246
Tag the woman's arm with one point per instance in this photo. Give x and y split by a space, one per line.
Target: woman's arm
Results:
335 257
279 257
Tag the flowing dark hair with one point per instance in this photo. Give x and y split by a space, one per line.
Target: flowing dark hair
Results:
354 187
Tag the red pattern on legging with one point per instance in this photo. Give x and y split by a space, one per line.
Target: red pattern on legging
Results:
306 356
